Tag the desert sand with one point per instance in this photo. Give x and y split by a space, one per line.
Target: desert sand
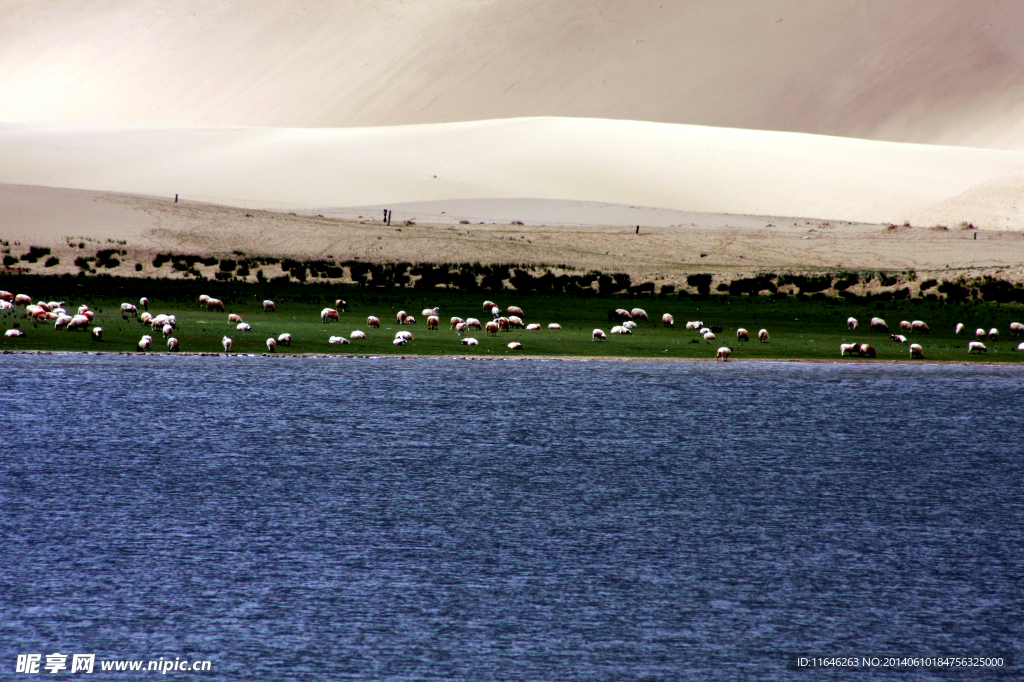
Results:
900 70
78 223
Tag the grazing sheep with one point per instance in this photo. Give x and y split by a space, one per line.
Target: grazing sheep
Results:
504 324
976 346
470 341
62 321
203 300
710 336
898 338
598 335
492 328
532 327
742 334
704 330
329 314
358 334
159 321
146 318
723 354
906 326
993 334
916 352
461 327
128 308
409 319
554 325
399 342
144 302
5 305
215 304
850 348
456 320
269 307
89 314
227 342
78 322
372 321
515 345
867 350
1016 329
338 339
629 324
22 299
342 305
167 331
879 325
172 344
286 339
762 336
623 314
515 310
473 323
495 312
234 319
639 314
1021 346
400 316
667 320
920 327
243 327
6 296
145 343
404 335
979 334
619 329
14 333
272 345
488 305
515 321
851 323
427 312
433 321
82 309
959 328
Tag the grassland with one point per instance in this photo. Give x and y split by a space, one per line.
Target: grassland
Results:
799 329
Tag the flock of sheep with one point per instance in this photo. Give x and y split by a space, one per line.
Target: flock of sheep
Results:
512 318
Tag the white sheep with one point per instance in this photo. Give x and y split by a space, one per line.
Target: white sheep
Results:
473 323
488 305
959 328
919 327
14 333
454 321
404 335
243 327
22 299
409 319
742 334
762 336
286 339
372 321
234 319
269 307
433 321
203 300
976 346
723 354
1021 346
619 329
668 320
598 335
338 339
144 302
850 348
1016 329
271 344
515 345
638 313
427 312
554 325
709 336
167 331
515 310
62 321
358 334
227 342
329 314
400 316
145 343
128 309
470 341
172 344
461 327
916 351
979 334
898 338
492 328
78 322
906 326
533 326
993 334
629 324
878 325
399 342
215 304
851 323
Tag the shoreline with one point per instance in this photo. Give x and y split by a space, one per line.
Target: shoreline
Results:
546 358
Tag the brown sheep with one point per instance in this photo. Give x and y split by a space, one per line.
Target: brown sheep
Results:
742 334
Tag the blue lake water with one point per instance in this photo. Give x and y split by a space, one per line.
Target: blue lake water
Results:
360 519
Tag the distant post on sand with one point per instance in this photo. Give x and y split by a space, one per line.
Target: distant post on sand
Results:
638 229
175 198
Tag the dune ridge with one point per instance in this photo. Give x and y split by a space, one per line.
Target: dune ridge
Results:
670 166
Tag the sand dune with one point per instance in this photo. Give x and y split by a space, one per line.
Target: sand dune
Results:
945 72
670 166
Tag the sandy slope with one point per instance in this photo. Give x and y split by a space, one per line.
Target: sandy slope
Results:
79 223
946 72
679 167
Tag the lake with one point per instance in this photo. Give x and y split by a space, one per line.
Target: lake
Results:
424 519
